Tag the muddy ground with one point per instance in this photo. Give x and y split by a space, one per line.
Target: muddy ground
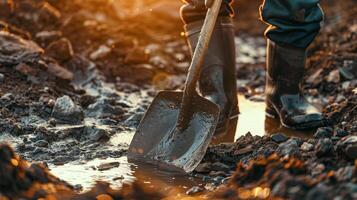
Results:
76 78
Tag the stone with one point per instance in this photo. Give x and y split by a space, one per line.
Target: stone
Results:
101 52
41 143
349 70
320 192
46 37
25 69
289 147
2 77
334 76
7 97
49 13
78 187
15 50
118 178
194 190
108 166
348 145
317 169
243 151
279 137
203 168
61 50
218 166
345 173
351 151
340 132
218 174
96 134
134 120
315 77
307 146
104 108
59 72
324 147
324 132
66 111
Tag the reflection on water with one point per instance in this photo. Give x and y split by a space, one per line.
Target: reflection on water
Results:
167 182
252 119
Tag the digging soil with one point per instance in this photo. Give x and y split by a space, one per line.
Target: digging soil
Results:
76 78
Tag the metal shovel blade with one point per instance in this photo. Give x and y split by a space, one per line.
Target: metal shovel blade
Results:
158 138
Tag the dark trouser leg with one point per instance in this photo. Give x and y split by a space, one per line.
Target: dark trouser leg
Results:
292 22
217 80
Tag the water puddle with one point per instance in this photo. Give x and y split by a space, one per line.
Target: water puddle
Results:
252 119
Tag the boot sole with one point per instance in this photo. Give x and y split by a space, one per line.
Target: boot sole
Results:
271 113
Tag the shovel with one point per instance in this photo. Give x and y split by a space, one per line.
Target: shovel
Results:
177 128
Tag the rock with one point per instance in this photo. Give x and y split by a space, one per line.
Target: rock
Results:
289 147
61 50
334 76
218 174
279 137
345 173
118 178
315 77
108 166
243 151
46 37
78 187
49 13
60 72
101 52
194 190
41 143
203 168
104 108
351 151
2 77
307 146
25 69
66 111
317 169
320 192
15 50
340 132
349 69
324 132
7 97
324 147
348 146
218 166
96 134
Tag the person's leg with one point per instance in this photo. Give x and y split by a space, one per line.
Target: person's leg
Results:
293 24
217 80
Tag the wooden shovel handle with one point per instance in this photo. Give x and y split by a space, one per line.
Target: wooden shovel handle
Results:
196 64
201 48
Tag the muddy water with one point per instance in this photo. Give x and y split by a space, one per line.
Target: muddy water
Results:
252 119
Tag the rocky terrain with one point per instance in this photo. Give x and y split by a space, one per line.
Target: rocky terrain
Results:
75 75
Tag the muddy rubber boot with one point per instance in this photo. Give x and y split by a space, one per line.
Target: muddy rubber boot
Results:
218 76
285 70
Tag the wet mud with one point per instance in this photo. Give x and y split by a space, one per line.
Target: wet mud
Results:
77 77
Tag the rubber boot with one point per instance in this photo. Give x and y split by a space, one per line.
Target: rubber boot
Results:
285 70
218 76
